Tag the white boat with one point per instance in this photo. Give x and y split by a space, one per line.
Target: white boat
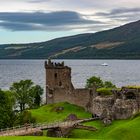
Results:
104 64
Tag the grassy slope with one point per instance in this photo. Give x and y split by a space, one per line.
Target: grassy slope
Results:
48 113
119 130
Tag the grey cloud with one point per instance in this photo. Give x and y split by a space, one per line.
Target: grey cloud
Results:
119 11
121 14
125 10
17 26
41 21
32 27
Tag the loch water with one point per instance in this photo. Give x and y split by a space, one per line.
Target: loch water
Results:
120 72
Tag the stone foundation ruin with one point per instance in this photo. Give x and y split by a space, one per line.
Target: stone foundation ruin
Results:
59 88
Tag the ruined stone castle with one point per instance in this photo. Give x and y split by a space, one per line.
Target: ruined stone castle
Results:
59 88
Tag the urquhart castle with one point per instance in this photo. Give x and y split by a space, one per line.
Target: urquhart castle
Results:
121 104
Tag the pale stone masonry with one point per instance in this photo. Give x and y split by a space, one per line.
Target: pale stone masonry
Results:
59 88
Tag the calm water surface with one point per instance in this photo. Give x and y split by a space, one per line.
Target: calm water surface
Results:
120 72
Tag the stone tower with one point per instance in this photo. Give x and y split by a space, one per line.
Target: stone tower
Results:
59 87
58 76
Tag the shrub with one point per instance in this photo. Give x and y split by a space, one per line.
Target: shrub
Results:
104 91
24 117
133 87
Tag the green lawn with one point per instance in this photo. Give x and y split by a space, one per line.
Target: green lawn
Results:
118 130
34 138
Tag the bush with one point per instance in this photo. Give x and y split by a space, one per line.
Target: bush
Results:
104 91
24 117
133 87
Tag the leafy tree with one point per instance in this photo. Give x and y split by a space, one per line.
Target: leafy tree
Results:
109 84
6 109
97 81
21 90
26 94
36 92
94 81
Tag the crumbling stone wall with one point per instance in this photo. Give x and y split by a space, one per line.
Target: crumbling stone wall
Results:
121 105
102 106
123 109
80 97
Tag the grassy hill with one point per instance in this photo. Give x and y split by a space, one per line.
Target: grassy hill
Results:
49 113
118 130
121 42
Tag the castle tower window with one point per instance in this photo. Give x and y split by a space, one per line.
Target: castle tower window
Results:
60 83
55 75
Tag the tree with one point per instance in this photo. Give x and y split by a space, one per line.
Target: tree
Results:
26 93
109 84
21 91
94 81
99 83
36 92
6 109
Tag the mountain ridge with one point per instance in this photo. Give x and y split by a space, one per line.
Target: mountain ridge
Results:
122 42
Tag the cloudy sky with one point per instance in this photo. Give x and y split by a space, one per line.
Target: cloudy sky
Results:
40 20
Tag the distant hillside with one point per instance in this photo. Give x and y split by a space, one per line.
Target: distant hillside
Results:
122 43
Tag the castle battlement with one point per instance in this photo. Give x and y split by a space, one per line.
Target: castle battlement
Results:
50 64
